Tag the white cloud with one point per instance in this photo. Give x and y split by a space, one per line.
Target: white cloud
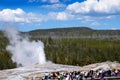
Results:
50 16
53 1
54 6
58 16
18 15
110 17
95 24
113 28
86 11
95 6
64 16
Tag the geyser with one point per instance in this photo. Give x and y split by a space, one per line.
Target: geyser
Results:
24 52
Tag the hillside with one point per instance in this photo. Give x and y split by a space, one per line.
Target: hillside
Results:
76 32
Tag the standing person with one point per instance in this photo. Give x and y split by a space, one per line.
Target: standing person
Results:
67 77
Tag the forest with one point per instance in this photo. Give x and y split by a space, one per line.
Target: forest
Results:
5 56
69 50
82 51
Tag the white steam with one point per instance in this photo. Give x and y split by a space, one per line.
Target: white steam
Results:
24 51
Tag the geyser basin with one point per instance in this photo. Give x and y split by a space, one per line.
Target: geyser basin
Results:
37 70
24 72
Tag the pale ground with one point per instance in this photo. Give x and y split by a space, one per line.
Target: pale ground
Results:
25 73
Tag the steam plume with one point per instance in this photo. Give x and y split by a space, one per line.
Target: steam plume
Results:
24 51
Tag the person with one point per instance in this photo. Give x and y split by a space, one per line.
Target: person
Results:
58 76
46 76
67 77
86 74
102 77
92 78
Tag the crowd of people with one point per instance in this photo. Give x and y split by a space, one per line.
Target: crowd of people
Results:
82 75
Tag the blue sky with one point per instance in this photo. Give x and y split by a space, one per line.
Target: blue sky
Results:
44 14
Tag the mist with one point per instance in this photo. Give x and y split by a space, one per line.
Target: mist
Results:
24 52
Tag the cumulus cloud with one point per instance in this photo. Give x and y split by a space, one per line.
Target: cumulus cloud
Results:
58 16
18 15
88 10
95 6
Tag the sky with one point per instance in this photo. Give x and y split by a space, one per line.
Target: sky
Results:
29 15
